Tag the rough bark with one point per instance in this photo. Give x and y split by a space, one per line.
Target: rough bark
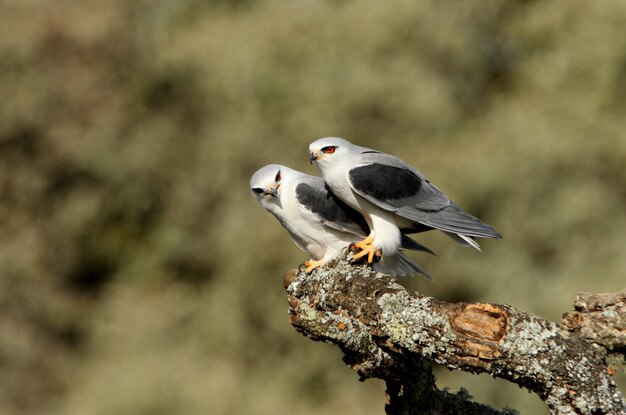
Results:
389 333
600 318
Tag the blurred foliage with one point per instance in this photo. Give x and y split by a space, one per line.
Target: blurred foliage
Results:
138 275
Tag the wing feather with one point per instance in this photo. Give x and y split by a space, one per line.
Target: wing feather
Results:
391 184
408 243
400 265
314 195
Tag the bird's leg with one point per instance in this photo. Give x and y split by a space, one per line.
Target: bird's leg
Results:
311 265
364 244
366 247
373 254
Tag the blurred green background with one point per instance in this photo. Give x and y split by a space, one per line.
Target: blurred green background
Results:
139 276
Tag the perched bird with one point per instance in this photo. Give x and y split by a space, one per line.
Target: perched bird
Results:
318 222
393 197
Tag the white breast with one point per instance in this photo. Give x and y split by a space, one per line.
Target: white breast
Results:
383 223
320 241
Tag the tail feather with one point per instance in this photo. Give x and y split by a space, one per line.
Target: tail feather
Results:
399 265
463 240
451 219
408 243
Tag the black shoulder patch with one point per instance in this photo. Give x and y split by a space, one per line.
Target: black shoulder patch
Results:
325 204
385 182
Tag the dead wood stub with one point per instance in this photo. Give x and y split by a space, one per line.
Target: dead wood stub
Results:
481 321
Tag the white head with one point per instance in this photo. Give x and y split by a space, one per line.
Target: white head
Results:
265 186
329 151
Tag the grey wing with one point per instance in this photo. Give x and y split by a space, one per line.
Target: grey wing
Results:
314 195
392 185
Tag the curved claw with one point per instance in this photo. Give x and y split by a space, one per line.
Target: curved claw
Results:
378 254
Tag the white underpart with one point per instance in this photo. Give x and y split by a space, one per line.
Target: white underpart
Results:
386 233
382 223
321 242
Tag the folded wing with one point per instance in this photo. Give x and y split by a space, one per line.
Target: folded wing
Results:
392 185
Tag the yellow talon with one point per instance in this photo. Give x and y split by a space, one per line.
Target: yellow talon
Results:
311 265
371 253
366 247
364 244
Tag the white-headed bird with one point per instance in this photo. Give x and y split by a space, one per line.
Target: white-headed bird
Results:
393 197
318 222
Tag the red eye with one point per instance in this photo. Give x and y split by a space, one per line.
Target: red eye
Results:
277 178
329 149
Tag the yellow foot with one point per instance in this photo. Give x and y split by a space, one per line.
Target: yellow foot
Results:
311 265
373 254
364 244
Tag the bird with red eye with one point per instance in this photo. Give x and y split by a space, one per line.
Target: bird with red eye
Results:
324 151
394 198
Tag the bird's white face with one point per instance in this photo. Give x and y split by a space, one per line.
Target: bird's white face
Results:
330 150
265 186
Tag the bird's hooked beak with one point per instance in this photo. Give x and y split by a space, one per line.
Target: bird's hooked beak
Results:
273 191
314 156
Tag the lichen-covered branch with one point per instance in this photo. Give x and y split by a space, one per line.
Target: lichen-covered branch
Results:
600 318
389 333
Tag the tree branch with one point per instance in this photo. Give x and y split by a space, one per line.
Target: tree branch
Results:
388 333
600 318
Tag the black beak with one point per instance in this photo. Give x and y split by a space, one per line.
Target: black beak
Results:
313 158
